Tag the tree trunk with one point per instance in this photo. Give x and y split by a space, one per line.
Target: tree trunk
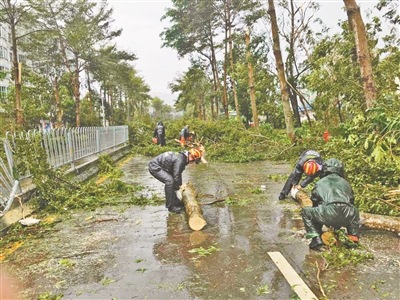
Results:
58 102
77 95
364 60
371 221
235 96
281 72
251 81
195 214
226 111
16 70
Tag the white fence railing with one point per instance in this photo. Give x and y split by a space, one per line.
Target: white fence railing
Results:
63 146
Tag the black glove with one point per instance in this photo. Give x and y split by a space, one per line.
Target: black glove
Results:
282 196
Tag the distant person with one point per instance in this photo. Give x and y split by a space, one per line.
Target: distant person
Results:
333 205
184 137
167 168
310 163
159 133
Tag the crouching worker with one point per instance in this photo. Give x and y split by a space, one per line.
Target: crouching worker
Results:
333 205
167 168
310 163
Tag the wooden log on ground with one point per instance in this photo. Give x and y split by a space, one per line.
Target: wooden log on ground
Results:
371 221
193 210
380 222
303 199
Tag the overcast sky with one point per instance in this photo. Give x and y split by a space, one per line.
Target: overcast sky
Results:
140 21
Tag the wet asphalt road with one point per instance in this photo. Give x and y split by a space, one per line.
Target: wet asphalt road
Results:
143 253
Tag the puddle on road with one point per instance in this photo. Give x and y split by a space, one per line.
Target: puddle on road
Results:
146 253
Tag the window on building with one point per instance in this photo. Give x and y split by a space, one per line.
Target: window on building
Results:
3 90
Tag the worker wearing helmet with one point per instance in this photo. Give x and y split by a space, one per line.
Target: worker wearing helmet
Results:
333 205
310 163
167 168
184 137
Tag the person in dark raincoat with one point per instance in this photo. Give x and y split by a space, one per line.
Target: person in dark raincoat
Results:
184 137
333 205
310 162
167 168
159 133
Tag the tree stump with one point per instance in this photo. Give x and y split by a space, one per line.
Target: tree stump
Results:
193 210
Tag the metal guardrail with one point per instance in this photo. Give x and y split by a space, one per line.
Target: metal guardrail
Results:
63 146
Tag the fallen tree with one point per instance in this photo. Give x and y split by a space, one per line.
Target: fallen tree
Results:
372 221
193 210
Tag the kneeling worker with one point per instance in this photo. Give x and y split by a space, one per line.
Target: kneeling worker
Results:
333 205
167 168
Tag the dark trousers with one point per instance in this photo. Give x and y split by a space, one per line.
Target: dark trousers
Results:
169 187
331 215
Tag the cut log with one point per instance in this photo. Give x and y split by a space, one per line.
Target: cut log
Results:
371 221
380 222
303 199
193 210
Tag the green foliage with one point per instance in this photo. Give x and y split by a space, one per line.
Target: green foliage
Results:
204 252
263 289
340 256
107 166
49 296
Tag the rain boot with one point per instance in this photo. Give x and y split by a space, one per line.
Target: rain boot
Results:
316 243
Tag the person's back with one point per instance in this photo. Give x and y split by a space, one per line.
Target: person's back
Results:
159 133
333 200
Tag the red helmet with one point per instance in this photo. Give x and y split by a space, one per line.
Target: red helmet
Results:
310 167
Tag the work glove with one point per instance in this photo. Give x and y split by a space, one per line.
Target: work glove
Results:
294 191
282 196
179 194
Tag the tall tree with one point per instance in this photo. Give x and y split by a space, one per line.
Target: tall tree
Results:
251 81
357 26
281 71
13 14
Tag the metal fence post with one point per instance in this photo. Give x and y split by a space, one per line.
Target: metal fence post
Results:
71 150
97 140
114 129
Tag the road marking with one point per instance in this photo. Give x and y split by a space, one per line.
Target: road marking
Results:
297 284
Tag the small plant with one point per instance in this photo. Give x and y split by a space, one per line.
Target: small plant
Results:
257 191
106 281
263 289
204 252
67 263
141 270
49 296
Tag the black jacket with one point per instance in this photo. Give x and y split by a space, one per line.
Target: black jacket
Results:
171 162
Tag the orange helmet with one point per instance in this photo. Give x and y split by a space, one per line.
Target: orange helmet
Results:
196 153
310 167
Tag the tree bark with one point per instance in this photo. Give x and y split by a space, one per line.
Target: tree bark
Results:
235 96
58 102
195 214
251 81
281 72
16 69
364 60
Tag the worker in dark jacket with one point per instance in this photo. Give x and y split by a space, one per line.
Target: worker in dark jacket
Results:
310 162
184 137
333 205
167 168
159 133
